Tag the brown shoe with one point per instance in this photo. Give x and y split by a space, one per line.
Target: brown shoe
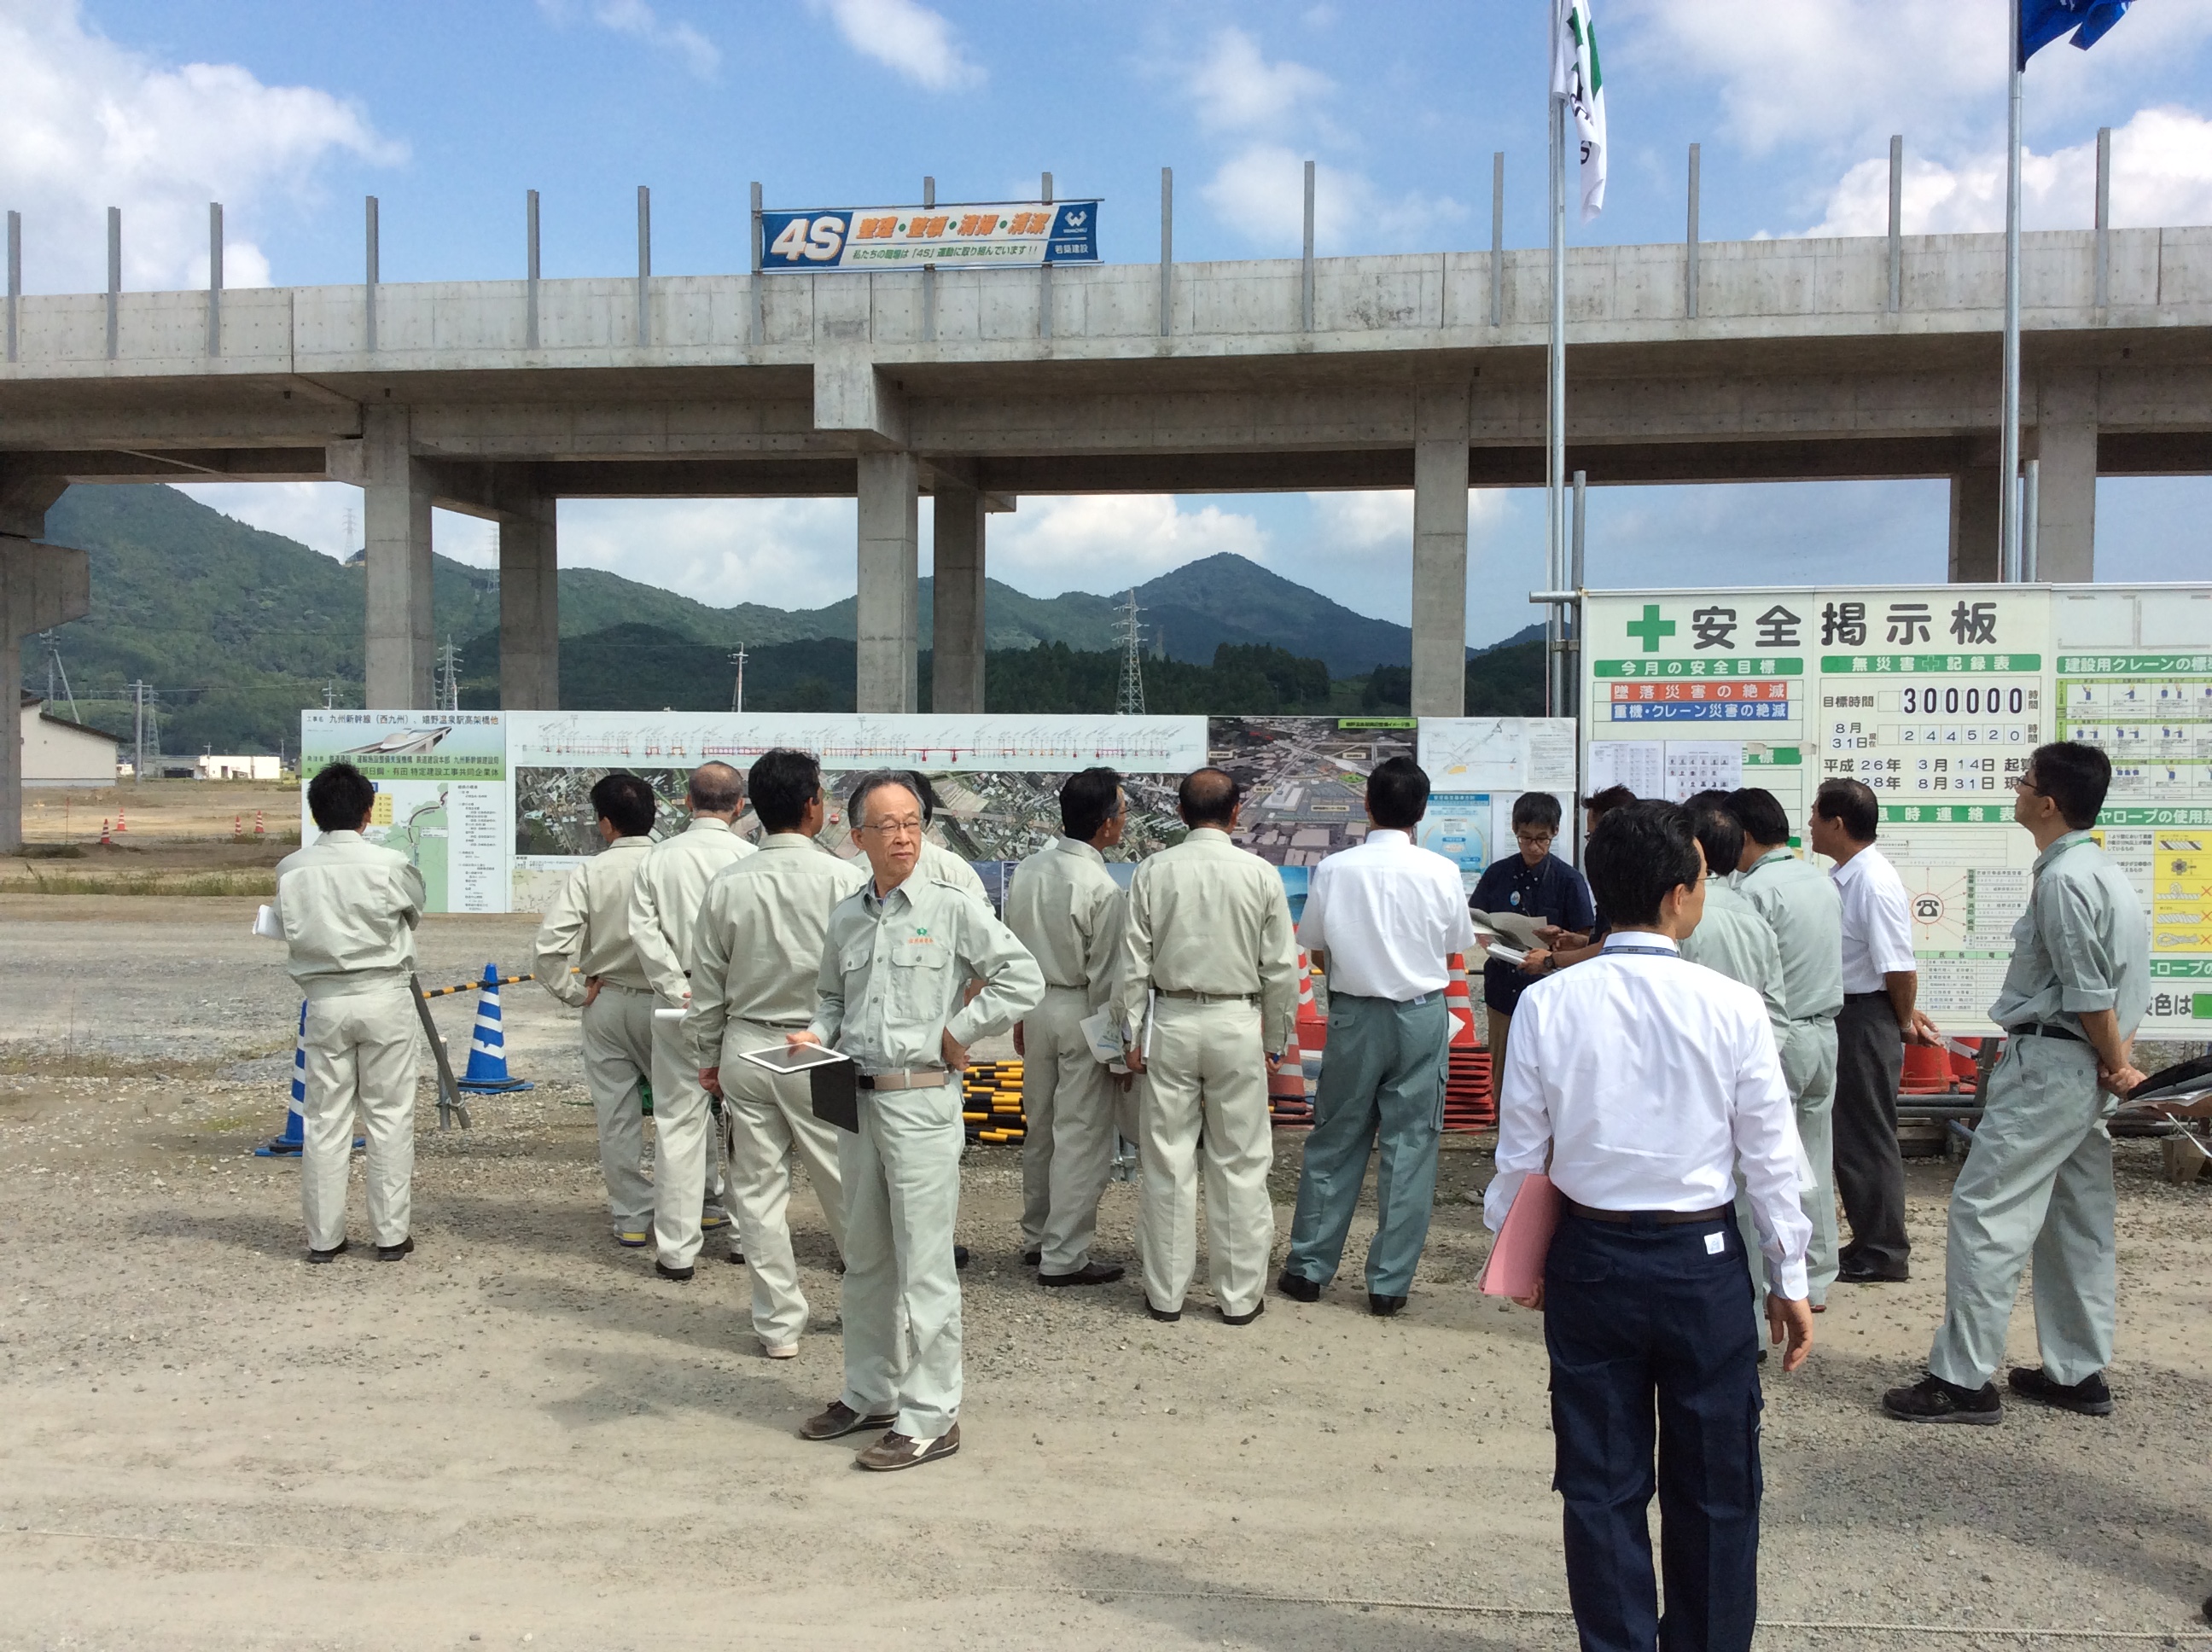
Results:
841 1420
897 1450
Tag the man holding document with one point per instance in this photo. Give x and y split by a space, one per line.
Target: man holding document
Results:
895 967
1647 1080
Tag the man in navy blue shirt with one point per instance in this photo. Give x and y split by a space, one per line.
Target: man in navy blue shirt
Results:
1535 883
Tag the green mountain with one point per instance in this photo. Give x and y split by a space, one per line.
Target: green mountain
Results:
234 629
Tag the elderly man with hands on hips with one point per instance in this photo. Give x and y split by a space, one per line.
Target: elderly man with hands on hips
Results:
895 967
1644 1081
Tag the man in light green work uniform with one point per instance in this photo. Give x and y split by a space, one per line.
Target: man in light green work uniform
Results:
1734 940
895 967
348 909
665 902
1067 908
585 958
1209 988
1800 903
755 965
2039 1178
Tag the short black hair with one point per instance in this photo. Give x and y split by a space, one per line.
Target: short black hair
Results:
1088 800
781 784
1208 797
716 787
340 798
1536 808
1852 805
1639 854
1398 795
628 801
1759 813
856 800
2073 776
1604 802
1719 833
924 793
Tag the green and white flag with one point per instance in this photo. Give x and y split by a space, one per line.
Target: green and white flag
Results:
1577 77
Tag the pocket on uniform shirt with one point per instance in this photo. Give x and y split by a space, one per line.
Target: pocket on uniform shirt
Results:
917 979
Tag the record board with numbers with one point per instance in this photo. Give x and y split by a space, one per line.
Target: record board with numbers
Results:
1934 697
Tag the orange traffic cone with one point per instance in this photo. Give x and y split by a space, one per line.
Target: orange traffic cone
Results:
1458 1005
259 829
237 826
119 820
1313 1025
1286 1088
104 837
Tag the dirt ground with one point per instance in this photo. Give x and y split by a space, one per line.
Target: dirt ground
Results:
521 1436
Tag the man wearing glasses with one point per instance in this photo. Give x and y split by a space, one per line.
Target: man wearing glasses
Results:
895 966
2038 1179
1536 883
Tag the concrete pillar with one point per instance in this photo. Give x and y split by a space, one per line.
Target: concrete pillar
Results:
1440 554
2066 504
41 587
890 607
530 610
957 622
395 520
1974 531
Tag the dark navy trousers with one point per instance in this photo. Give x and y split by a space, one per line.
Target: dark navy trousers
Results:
1649 1344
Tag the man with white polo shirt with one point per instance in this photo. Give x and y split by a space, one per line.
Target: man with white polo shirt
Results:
1382 917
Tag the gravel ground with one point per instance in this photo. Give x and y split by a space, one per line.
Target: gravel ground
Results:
521 1436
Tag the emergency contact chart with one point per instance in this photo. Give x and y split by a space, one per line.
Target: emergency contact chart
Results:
1935 697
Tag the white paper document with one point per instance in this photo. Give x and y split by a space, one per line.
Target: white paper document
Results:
1103 1036
793 1058
1507 955
266 926
1639 765
1513 926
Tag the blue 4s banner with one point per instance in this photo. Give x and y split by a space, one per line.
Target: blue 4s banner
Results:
983 235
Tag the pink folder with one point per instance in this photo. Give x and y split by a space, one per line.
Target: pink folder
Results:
1515 1266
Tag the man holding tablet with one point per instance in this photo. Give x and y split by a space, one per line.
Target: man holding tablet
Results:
896 968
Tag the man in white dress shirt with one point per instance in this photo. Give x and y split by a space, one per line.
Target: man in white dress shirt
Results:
1882 979
1383 917
1646 1081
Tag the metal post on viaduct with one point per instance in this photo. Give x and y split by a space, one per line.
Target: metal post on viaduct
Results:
1790 360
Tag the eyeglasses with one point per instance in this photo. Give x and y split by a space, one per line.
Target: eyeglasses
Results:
1535 837
2025 783
909 826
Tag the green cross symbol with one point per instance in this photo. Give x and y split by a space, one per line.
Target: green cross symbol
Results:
1650 628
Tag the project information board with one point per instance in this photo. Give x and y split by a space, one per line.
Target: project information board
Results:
442 798
1935 697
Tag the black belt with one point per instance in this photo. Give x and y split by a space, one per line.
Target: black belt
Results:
1663 1218
1866 998
2044 1030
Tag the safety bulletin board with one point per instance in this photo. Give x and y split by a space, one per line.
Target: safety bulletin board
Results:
1934 697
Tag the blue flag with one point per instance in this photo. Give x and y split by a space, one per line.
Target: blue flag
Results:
2042 22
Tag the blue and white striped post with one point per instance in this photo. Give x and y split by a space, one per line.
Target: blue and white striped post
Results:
486 1070
294 1139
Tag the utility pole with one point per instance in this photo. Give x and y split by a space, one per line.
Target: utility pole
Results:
737 694
329 692
1131 702
138 733
55 669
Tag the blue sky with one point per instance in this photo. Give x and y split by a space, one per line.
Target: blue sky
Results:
449 113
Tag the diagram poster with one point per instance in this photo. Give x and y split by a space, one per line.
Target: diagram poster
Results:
997 777
1934 697
442 794
1478 766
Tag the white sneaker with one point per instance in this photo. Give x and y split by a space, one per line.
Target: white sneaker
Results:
781 1351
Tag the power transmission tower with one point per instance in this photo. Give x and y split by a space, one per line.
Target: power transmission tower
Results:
447 684
145 729
737 694
55 669
1130 634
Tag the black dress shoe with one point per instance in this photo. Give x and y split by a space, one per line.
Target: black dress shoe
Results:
1298 1287
680 1275
1258 1308
1383 1306
330 1255
1853 1273
959 1257
1161 1314
1088 1273
2208 1608
399 1253
1931 1400
2089 1397
1032 1257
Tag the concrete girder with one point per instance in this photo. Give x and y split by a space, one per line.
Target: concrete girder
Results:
852 394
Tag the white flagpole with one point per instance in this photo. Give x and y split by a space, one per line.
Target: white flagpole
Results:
1555 475
2008 459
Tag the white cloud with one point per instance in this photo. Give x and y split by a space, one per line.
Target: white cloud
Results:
1235 88
2161 174
90 125
637 19
1260 191
1052 544
785 553
907 38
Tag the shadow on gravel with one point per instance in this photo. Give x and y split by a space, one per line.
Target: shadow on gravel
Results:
1285 1626
746 1392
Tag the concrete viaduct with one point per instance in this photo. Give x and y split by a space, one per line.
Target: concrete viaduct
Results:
1754 360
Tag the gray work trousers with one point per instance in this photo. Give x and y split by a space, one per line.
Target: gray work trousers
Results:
1206 1068
771 1114
617 1052
2037 1182
1808 1049
687 1152
360 1051
1869 1169
1067 1151
901 1299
